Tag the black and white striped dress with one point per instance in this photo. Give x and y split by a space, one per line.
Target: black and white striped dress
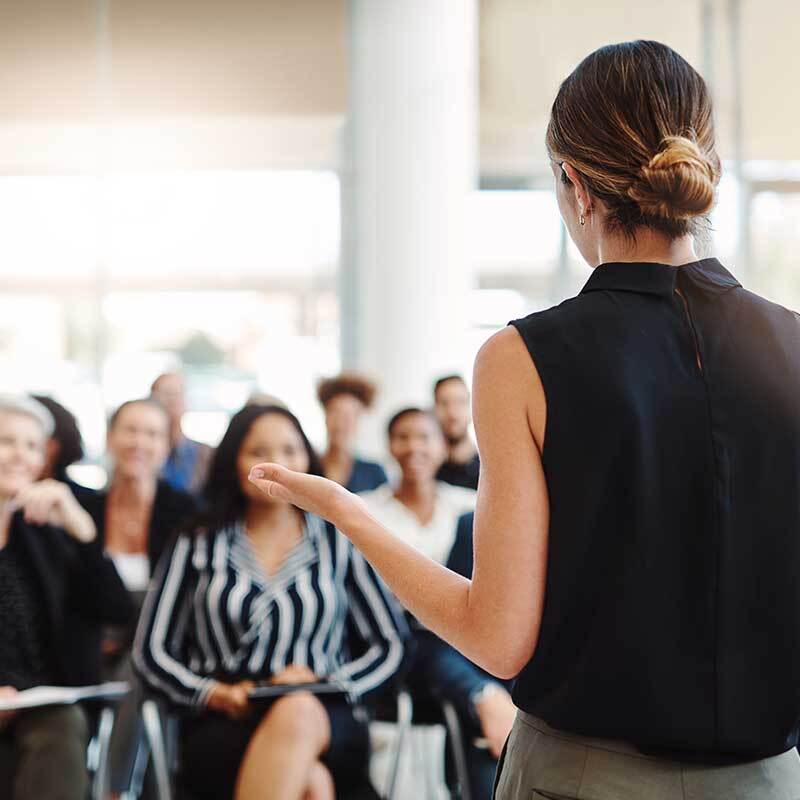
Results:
213 614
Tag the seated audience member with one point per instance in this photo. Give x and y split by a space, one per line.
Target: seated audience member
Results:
134 516
426 513
56 591
258 591
451 403
138 511
187 463
344 399
64 447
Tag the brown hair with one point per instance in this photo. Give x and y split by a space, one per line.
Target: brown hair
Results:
347 383
636 121
140 401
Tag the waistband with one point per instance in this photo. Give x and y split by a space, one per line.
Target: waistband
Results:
628 749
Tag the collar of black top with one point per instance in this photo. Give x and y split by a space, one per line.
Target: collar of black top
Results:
649 278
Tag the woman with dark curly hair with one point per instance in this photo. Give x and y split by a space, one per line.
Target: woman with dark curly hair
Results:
345 398
255 590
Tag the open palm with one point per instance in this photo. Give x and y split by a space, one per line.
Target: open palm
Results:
320 496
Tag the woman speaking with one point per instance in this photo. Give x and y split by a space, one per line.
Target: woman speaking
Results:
636 532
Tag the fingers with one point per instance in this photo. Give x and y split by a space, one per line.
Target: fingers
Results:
36 503
240 702
40 502
273 479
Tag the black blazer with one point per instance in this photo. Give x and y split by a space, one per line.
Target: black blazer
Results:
171 507
82 593
460 558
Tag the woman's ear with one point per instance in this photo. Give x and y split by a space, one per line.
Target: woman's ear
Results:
581 193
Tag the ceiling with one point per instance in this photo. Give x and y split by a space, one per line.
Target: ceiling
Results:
263 83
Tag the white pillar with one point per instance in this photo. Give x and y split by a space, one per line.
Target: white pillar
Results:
410 164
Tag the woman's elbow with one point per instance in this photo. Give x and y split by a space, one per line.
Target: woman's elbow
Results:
507 662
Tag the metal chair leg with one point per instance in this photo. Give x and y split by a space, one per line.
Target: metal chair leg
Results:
140 763
405 712
456 739
100 781
158 749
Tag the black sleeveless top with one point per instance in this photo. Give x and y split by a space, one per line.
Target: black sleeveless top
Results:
672 458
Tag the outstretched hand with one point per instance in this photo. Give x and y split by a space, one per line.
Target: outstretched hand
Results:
320 496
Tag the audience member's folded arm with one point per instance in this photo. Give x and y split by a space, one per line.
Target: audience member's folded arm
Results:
160 636
380 624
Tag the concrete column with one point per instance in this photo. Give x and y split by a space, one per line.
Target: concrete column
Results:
410 163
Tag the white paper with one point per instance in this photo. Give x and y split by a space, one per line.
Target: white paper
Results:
62 695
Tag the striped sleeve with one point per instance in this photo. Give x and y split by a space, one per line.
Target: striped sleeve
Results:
378 622
160 645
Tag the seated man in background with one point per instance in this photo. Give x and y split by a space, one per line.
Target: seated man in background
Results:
451 404
187 464
426 513
56 591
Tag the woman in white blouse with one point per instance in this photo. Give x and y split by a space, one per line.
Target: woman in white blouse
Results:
425 513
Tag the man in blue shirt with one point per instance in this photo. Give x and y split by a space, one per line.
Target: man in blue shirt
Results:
188 461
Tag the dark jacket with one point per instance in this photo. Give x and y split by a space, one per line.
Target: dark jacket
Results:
171 507
82 593
366 476
460 558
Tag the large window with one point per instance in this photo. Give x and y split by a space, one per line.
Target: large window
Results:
105 283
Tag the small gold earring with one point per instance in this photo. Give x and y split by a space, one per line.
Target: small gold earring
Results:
583 220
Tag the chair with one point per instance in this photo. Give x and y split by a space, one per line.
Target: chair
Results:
426 711
162 741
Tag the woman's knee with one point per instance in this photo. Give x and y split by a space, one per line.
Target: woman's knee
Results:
298 715
320 784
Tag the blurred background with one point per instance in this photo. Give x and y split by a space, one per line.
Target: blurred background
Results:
264 192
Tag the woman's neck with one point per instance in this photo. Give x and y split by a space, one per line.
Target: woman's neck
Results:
338 454
265 520
137 490
414 492
649 246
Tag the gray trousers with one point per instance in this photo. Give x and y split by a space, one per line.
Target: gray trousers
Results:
541 762
50 753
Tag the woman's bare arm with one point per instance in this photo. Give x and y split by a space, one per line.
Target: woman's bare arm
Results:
494 618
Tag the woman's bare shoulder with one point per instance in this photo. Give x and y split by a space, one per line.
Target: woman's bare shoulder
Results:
505 371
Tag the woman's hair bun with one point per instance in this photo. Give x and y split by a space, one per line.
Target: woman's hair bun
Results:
678 183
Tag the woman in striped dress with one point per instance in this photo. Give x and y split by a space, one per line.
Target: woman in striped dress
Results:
257 590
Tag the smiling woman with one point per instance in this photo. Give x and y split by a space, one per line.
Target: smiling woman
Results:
255 590
135 516
47 540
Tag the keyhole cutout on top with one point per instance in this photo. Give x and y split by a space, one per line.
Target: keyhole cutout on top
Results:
688 313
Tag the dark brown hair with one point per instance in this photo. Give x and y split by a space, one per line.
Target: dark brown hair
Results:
636 121
224 500
347 383
66 433
409 412
446 379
